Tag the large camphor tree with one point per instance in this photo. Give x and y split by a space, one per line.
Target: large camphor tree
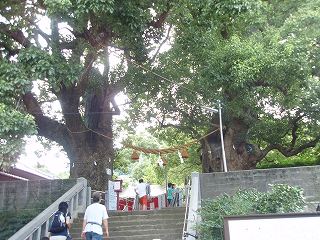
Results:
260 59
59 50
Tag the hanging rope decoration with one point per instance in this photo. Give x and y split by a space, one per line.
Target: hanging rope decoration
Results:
183 149
164 161
184 153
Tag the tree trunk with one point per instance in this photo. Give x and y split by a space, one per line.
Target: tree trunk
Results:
92 163
91 155
240 155
87 140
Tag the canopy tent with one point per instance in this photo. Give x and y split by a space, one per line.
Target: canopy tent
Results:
155 191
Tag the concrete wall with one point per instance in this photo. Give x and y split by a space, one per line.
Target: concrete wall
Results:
214 184
16 195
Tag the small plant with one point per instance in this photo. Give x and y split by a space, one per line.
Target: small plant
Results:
12 221
280 199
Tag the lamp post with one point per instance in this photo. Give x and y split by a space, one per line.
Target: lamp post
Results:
224 161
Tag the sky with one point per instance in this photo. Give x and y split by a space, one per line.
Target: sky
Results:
54 159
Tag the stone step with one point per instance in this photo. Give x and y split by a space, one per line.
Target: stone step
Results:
146 217
141 217
136 232
138 222
162 210
148 212
176 236
154 227
163 224
133 224
123 228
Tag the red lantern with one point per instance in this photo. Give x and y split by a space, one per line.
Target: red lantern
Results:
135 155
184 153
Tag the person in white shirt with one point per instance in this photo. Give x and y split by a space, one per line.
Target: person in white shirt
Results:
95 217
141 190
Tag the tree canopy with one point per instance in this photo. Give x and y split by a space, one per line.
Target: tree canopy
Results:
260 59
60 51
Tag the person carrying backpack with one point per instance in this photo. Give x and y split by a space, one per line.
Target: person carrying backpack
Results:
59 229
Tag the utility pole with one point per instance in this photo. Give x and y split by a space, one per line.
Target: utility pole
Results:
224 161
225 169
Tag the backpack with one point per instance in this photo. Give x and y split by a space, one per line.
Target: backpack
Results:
57 225
148 189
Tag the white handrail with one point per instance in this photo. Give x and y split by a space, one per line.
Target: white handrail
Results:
188 186
38 227
193 207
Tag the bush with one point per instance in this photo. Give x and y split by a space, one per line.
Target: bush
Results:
12 221
280 199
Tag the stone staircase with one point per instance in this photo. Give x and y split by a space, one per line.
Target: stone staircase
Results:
164 224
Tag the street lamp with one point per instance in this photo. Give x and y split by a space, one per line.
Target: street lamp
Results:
225 169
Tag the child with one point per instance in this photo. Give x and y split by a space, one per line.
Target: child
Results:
170 194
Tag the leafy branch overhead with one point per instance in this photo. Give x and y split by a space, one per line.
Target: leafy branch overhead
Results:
259 58
62 50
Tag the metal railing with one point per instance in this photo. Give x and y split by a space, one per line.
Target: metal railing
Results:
192 205
188 187
77 197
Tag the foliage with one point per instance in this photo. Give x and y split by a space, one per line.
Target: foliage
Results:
14 125
280 199
147 167
12 221
261 55
60 51
275 160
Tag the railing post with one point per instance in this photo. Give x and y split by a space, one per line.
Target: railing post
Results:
194 205
47 226
76 199
38 233
71 206
88 202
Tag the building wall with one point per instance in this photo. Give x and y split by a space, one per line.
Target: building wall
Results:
9 177
214 184
26 174
15 195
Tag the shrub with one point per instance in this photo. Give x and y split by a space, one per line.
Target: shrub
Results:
280 199
12 221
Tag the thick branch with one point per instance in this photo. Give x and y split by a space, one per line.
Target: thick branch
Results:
68 45
84 78
47 127
289 152
294 131
42 34
17 35
161 44
159 21
262 83
11 51
116 110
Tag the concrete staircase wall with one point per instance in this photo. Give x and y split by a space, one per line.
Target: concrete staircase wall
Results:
164 224
308 178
